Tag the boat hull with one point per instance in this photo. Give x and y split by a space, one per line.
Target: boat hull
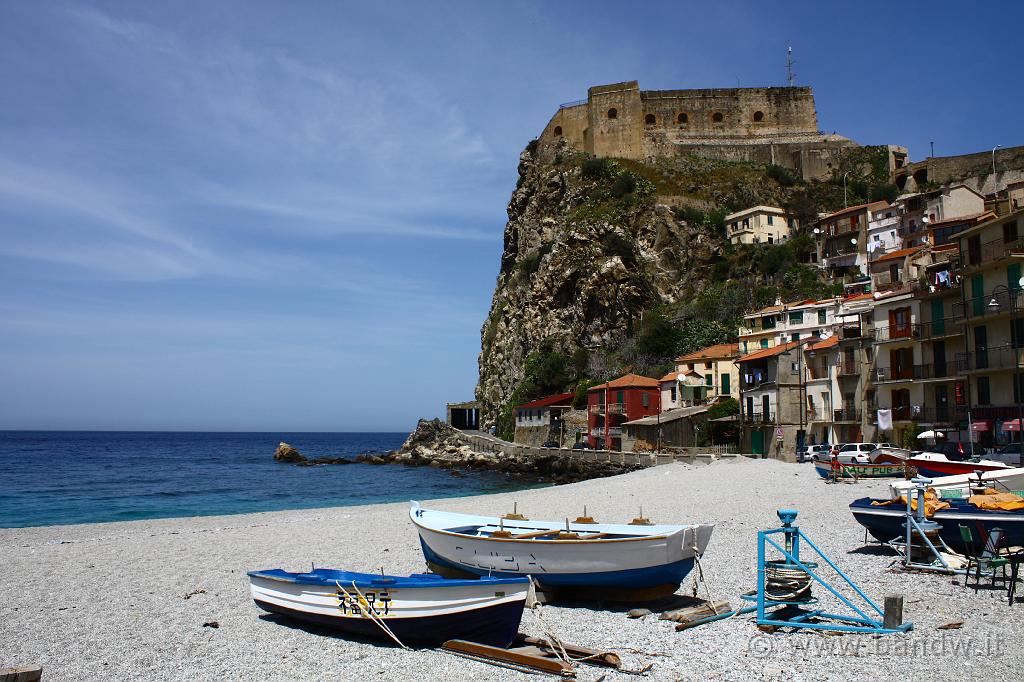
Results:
483 611
825 469
658 560
885 523
935 468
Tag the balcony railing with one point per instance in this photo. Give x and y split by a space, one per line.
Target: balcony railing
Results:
847 368
846 415
995 412
999 303
599 431
929 370
757 382
999 357
612 408
759 417
890 333
947 326
852 331
997 249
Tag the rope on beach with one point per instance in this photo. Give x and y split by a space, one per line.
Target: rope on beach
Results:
700 578
786 584
549 633
377 620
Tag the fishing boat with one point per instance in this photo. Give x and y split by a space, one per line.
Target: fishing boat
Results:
422 609
881 463
936 465
884 520
960 485
648 560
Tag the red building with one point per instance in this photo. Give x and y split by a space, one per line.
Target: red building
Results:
612 404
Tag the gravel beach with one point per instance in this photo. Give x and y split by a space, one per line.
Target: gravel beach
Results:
128 601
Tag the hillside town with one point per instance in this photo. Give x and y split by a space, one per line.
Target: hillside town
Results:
925 336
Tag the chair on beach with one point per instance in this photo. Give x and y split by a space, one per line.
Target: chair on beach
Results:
987 560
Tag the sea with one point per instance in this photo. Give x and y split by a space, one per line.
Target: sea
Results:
65 477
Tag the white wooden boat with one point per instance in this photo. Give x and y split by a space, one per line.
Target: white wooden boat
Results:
557 554
1001 479
421 609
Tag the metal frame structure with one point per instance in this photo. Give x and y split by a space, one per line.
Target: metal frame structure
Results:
789 613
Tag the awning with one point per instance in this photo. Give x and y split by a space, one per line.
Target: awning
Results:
1011 425
979 426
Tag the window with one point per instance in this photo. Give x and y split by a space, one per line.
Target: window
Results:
707 365
690 367
822 316
650 120
796 317
709 381
672 393
764 343
794 337
984 395
717 117
613 113
768 322
558 131
1010 232
770 218
682 119
771 239
758 116
645 399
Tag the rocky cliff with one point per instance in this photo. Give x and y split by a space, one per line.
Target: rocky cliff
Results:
591 244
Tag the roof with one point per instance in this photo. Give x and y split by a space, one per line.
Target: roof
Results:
671 376
973 217
769 352
628 381
717 351
669 415
857 297
755 209
897 255
830 342
854 209
560 399
974 229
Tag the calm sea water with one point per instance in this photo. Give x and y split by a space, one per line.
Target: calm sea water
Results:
62 477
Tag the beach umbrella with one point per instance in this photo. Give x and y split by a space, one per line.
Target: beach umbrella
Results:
931 434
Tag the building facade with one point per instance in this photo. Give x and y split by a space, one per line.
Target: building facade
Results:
612 404
760 225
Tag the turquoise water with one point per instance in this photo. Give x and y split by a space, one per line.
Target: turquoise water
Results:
62 477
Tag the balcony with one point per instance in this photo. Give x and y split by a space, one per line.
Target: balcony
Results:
612 408
1000 303
930 370
1001 412
849 415
947 326
599 431
851 331
849 369
998 357
992 251
759 417
757 382
897 333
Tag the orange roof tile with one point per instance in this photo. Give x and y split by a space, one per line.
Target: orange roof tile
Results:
717 351
857 297
851 209
629 381
671 376
830 342
896 255
769 352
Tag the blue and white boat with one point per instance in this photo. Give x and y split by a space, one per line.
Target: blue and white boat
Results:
885 522
421 610
651 558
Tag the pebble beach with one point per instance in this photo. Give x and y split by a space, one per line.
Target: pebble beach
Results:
137 600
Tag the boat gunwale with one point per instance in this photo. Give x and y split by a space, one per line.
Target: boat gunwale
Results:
290 578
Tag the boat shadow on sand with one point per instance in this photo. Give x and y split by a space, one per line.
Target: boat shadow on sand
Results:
326 631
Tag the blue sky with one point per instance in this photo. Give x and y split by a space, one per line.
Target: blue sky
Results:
289 216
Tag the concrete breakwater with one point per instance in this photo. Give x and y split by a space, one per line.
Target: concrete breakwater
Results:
435 443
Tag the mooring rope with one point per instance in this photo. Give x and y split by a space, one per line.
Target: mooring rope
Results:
786 584
369 612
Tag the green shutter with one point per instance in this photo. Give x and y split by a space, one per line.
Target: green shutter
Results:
726 388
938 317
1013 276
978 295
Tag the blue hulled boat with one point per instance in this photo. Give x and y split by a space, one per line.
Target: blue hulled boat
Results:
422 609
885 522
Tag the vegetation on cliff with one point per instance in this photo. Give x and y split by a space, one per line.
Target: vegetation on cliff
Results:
612 265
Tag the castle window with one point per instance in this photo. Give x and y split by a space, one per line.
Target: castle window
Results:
758 116
717 117
650 120
558 131
682 118
613 113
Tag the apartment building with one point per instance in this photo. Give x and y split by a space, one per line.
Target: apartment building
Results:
702 376
781 323
842 237
760 225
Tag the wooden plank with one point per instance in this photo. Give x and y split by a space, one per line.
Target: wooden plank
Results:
608 659
26 673
487 654
535 534
893 617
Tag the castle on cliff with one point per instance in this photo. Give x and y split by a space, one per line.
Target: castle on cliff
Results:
762 125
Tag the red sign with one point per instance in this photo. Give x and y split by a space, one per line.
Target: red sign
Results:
958 393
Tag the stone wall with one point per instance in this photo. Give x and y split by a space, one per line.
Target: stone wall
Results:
973 170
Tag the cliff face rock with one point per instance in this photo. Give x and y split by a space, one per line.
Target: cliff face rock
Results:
579 277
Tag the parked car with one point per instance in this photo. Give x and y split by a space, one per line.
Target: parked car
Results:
1008 454
806 453
836 447
582 445
551 444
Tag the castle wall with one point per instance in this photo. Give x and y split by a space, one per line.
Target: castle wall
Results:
731 112
616 118
975 170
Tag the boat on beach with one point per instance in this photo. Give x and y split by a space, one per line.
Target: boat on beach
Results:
422 609
652 559
937 465
881 463
960 485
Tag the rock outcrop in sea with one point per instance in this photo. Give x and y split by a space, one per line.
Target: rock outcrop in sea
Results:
290 455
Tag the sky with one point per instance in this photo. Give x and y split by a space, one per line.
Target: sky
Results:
265 216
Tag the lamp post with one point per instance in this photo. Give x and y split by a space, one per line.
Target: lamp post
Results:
1015 343
994 167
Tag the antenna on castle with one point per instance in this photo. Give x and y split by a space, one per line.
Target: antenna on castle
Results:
789 66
